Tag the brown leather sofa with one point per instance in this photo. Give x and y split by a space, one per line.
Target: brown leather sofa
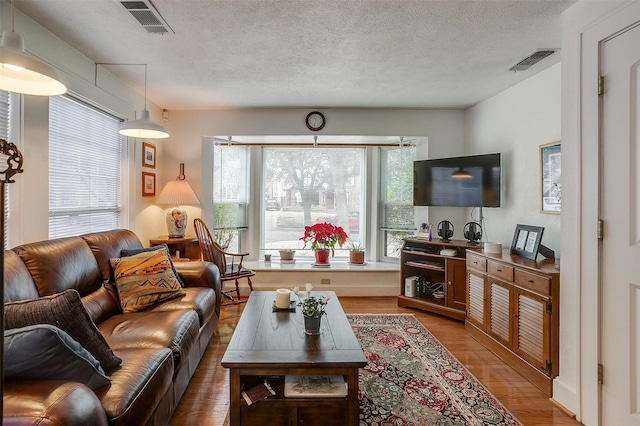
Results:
160 346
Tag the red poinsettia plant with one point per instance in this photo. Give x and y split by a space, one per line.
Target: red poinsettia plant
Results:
324 236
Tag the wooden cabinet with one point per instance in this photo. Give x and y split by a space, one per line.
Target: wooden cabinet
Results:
513 310
440 279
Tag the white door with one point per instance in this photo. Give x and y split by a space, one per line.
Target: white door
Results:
620 256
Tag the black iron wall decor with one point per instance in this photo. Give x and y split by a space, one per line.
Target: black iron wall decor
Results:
10 165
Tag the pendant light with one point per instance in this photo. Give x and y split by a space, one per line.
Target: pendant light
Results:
22 72
144 127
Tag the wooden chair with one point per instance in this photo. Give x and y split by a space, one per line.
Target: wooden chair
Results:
229 264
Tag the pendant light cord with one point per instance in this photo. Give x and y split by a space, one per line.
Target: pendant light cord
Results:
145 86
12 17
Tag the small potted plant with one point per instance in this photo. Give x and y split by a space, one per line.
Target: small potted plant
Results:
356 253
312 308
287 255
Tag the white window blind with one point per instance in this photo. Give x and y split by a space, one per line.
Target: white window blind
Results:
4 134
4 115
85 155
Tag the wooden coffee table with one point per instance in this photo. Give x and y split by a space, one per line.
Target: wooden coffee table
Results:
269 345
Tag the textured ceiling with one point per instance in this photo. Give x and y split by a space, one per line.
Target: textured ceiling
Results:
323 54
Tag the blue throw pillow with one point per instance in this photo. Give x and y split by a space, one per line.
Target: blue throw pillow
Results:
132 252
44 352
65 311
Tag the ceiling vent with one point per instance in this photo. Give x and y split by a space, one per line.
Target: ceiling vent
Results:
532 59
147 16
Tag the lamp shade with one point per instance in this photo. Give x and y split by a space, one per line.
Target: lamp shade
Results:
21 72
143 127
177 193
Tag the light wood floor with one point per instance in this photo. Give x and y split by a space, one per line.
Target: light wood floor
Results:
206 400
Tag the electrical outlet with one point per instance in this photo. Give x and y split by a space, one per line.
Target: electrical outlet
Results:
325 280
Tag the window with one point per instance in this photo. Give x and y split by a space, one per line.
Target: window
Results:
307 185
230 194
85 156
396 196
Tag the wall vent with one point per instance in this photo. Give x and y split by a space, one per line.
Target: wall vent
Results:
531 59
147 16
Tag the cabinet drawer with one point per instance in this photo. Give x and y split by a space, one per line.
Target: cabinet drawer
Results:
533 282
476 262
500 270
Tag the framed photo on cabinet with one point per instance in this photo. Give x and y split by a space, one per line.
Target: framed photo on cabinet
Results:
148 155
526 241
551 177
148 184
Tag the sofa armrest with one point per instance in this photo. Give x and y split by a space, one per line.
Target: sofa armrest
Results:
201 274
51 403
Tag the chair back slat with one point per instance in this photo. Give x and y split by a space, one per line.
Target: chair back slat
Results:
211 251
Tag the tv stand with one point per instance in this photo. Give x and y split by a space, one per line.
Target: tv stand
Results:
441 280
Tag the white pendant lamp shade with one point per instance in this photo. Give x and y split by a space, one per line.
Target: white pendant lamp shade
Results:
143 127
21 72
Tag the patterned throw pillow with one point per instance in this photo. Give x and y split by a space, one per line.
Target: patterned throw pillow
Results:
131 252
145 279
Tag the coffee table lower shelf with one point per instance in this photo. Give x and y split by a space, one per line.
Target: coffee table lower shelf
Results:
280 410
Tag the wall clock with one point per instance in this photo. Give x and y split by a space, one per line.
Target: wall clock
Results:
315 120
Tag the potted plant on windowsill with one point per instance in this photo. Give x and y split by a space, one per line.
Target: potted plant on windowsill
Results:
356 253
323 238
287 255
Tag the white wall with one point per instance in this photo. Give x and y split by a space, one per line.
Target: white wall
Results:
515 123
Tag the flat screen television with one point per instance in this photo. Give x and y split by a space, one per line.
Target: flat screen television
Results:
470 181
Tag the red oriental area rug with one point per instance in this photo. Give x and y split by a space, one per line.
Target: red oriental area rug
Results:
412 379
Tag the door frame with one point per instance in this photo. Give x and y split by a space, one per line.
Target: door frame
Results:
590 177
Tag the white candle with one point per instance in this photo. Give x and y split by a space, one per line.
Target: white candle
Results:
283 298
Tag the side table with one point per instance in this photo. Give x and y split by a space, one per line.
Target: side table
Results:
187 246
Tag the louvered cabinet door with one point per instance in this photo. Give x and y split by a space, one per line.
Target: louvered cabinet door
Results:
499 324
532 326
476 299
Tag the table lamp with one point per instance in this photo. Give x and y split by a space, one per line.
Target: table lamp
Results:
177 193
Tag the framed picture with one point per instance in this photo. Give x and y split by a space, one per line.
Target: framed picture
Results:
526 240
148 155
148 184
551 181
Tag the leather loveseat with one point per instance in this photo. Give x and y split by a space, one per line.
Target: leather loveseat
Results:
159 346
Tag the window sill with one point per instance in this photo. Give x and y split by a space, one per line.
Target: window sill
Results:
307 265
